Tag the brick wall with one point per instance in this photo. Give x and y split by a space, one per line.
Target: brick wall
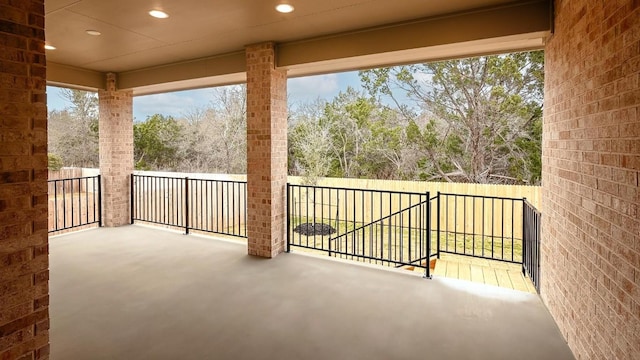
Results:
266 151
116 152
24 251
591 165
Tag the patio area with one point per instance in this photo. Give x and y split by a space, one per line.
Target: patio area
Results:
139 292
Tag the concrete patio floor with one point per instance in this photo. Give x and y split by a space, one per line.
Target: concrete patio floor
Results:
140 293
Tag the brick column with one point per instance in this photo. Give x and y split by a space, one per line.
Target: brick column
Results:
266 151
24 249
116 152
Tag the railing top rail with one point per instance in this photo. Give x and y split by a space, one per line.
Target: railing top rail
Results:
358 189
532 207
219 181
384 218
75 178
159 177
190 179
482 196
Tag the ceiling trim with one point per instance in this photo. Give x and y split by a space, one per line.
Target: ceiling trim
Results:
527 42
74 77
215 67
519 19
199 83
515 27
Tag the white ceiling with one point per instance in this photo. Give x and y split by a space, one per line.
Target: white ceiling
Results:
132 40
202 42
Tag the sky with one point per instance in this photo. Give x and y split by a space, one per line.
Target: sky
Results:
176 104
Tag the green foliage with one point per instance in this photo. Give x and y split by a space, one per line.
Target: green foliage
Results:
528 169
156 143
351 136
484 115
211 139
467 120
360 130
73 132
311 150
54 161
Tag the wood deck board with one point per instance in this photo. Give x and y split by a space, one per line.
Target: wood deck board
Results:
477 274
495 273
464 272
452 270
502 276
441 268
517 281
490 276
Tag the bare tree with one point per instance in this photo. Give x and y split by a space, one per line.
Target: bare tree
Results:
310 142
215 136
230 105
73 132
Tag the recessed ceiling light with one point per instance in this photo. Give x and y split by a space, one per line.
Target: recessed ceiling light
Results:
93 32
49 47
284 8
158 14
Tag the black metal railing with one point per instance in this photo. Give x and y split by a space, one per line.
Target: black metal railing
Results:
487 227
215 206
392 228
408 229
382 227
531 219
74 202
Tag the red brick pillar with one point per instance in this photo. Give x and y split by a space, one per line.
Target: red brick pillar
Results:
24 249
266 151
116 152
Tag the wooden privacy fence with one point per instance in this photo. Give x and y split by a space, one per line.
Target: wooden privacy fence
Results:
481 226
74 202
217 206
66 173
213 201
532 193
488 208
214 207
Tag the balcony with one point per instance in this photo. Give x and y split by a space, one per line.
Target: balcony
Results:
138 292
470 237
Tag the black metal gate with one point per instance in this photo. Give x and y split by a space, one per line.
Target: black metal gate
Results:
382 227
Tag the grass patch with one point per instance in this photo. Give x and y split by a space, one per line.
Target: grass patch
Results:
483 246
401 244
